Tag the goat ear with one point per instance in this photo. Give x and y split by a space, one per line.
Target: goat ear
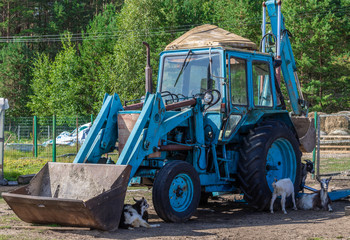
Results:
329 179
134 199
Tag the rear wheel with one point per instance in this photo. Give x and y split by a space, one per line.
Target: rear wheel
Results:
176 191
270 151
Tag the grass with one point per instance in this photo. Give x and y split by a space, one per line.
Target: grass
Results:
10 218
5 237
18 163
334 165
5 227
18 237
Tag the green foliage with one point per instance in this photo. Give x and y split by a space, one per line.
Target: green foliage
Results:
70 15
241 17
321 48
15 63
96 53
137 21
58 86
71 77
41 87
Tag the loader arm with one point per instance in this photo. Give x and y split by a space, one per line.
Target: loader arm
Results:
144 139
288 65
151 125
103 133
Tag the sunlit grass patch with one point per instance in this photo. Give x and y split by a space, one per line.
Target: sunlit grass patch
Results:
22 166
5 237
334 165
18 163
10 218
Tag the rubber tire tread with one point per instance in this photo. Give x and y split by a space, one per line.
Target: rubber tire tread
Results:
252 163
160 193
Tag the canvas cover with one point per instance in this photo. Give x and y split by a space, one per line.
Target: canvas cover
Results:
210 36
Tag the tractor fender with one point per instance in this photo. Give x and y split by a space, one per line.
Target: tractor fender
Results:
255 117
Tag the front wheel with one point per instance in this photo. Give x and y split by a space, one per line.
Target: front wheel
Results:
270 151
176 191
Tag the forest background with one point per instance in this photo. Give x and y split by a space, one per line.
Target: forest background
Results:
61 57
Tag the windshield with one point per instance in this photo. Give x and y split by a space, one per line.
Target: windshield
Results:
189 74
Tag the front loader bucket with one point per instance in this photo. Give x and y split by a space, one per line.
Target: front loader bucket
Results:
306 133
84 195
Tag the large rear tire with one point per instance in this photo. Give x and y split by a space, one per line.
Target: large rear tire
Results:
176 191
270 151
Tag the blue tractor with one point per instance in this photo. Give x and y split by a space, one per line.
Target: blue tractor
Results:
217 121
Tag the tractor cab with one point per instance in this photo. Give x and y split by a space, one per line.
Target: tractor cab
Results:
223 69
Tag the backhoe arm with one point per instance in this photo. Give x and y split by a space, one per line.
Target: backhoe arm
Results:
288 65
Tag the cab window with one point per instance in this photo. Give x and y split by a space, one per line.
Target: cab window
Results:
238 78
262 84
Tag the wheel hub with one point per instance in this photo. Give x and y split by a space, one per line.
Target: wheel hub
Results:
179 192
280 162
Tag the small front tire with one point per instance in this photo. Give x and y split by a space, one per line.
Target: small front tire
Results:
176 191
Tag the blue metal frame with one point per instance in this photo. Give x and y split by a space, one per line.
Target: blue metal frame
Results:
288 62
155 122
103 133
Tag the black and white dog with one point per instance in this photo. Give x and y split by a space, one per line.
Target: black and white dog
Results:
306 167
136 215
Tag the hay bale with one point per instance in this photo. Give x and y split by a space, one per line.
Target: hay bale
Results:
336 123
340 132
322 120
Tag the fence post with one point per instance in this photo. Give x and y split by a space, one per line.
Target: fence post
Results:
77 127
54 138
35 137
314 151
18 132
3 107
92 119
318 145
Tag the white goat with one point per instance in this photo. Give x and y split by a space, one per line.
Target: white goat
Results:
284 188
318 200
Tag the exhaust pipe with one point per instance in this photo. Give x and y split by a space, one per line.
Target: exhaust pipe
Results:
148 70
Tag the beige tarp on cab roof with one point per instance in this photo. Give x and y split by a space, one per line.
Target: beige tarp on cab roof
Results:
210 36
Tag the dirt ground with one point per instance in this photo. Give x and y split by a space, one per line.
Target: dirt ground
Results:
221 218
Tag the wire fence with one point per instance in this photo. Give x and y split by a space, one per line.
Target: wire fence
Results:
33 137
26 140
332 152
